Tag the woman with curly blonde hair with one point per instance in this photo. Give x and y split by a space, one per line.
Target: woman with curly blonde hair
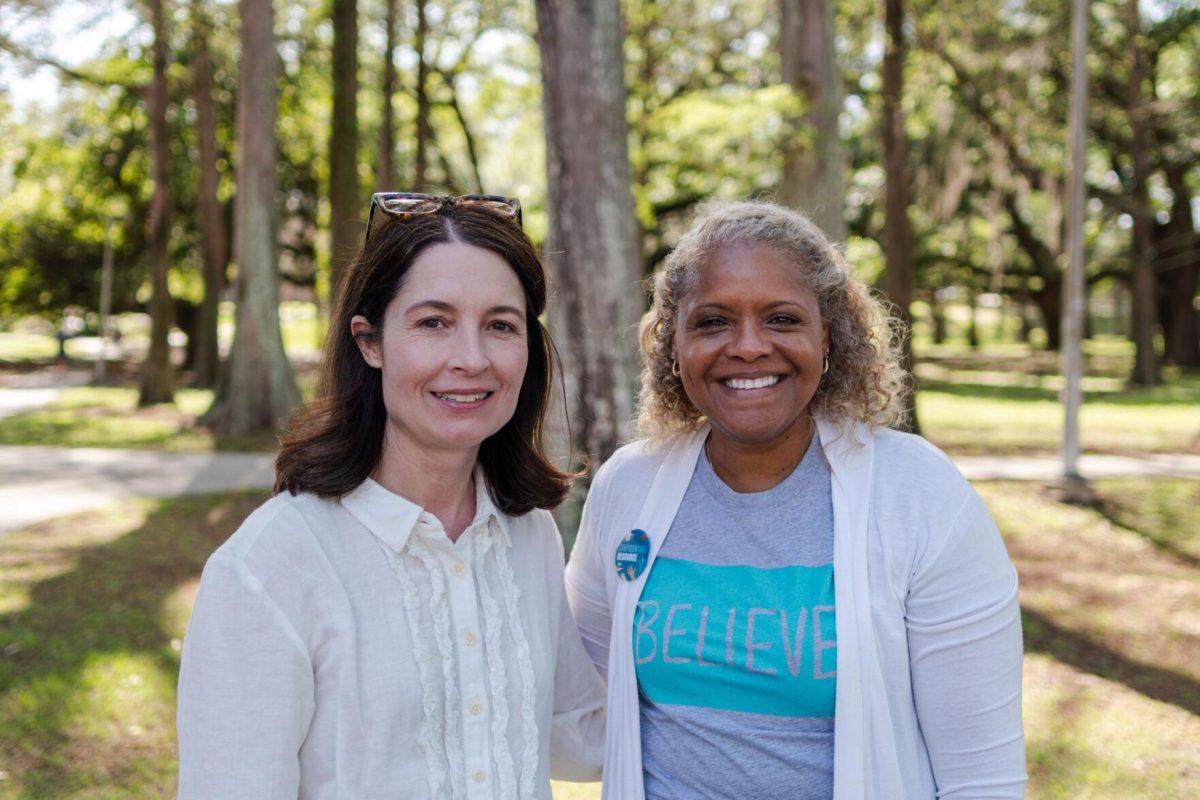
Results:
787 598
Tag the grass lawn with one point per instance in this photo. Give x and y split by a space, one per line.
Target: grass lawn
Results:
93 607
108 416
1004 399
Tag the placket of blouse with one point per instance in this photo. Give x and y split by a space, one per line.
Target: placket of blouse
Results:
459 562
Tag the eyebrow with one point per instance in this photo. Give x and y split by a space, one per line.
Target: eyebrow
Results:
442 305
715 306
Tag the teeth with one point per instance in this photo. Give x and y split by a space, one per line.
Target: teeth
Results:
462 398
756 383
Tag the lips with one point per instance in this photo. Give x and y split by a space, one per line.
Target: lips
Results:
462 397
749 384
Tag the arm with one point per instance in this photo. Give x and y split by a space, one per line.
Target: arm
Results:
577 733
964 644
245 692
586 589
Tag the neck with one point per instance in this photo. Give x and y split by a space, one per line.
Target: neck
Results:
438 481
756 467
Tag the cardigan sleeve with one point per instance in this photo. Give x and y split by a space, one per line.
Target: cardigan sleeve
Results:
585 578
964 640
245 691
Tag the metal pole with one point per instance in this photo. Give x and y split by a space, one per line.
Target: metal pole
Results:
1073 286
106 278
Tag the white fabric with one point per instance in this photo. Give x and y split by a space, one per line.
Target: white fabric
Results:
929 640
350 650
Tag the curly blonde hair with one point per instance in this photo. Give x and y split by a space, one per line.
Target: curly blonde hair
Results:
865 381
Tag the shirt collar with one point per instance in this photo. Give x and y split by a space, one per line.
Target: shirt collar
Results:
392 518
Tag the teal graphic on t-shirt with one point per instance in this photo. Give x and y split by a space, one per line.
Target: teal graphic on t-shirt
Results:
738 638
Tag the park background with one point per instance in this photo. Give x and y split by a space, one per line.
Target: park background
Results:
222 191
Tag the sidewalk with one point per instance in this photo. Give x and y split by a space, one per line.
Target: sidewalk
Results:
38 483
24 392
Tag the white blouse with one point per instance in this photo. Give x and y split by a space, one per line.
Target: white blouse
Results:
351 650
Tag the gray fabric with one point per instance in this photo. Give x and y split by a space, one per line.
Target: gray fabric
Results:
703 752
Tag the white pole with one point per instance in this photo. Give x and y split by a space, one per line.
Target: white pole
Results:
106 278
1073 286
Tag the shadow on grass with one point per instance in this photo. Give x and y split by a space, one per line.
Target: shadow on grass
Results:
1042 635
1119 518
1162 513
109 603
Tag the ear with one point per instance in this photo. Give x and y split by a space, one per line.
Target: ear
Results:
368 344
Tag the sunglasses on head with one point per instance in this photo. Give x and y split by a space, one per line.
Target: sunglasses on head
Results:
403 205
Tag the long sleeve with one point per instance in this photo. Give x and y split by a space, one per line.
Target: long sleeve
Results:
586 590
246 692
964 639
577 732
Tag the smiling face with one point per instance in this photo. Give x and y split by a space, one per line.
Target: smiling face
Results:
452 349
750 343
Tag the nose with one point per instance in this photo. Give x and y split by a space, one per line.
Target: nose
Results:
750 343
470 353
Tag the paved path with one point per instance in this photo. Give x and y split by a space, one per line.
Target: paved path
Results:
23 392
38 483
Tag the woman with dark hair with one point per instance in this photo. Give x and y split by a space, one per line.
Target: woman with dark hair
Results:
393 622
789 599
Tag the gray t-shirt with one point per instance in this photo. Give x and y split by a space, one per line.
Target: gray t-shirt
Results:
734 642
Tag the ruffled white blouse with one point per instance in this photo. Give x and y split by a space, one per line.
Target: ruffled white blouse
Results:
351 650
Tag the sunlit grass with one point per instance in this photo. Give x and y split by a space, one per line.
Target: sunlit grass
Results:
990 420
1090 737
108 416
302 328
16 347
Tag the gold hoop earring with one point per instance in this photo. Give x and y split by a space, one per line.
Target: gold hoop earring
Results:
675 368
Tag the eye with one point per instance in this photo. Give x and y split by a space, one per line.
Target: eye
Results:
709 322
504 326
431 323
783 320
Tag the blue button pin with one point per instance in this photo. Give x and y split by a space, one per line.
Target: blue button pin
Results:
632 554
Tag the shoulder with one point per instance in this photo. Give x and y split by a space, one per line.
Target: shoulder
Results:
910 463
277 542
920 496
633 463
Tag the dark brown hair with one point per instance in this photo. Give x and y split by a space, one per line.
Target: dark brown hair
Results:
335 441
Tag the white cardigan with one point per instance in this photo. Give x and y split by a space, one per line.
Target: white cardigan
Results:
928 699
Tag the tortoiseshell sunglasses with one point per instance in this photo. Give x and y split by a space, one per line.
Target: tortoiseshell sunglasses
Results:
407 204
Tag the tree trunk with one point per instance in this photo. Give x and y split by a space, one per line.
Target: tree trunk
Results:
421 167
468 136
1178 267
1049 301
158 378
213 248
345 223
1026 328
937 314
973 317
258 389
1145 363
813 162
897 236
385 167
592 242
